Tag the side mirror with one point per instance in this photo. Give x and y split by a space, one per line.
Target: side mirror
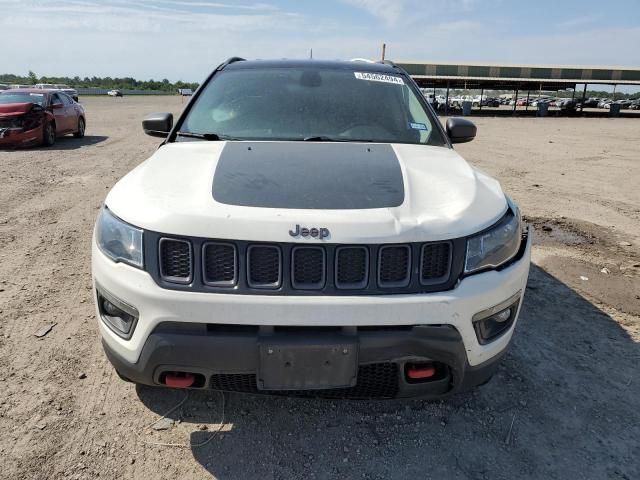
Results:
158 124
460 130
57 106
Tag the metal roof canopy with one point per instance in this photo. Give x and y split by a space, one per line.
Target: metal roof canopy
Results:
520 77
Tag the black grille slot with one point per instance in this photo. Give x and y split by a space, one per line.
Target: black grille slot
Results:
264 266
352 267
394 266
435 264
376 380
220 264
308 267
175 260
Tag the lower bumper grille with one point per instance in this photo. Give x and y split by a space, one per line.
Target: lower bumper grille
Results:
376 380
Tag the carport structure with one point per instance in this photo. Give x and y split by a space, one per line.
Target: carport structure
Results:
517 77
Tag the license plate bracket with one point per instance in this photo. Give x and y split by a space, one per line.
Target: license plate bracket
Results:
301 364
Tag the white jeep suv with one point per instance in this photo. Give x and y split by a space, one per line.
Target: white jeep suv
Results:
306 228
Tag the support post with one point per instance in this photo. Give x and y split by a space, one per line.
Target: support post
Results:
481 94
584 96
515 102
526 107
446 101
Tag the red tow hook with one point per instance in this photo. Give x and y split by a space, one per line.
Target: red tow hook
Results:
420 372
179 379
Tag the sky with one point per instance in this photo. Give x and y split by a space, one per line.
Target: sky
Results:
185 40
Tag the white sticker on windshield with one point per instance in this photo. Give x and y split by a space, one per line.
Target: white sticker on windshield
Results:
379 77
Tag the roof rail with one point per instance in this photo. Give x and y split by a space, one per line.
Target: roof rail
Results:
365 60
229 61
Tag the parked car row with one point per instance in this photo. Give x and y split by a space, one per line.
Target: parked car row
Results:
72 92
632 103
37 116
438 101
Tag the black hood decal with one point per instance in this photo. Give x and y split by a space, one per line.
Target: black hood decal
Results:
308 175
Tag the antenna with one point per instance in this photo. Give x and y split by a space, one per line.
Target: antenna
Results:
384 50
311 53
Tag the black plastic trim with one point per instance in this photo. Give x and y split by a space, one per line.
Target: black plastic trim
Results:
285 287
352 286
435 281
407 276
274 285
194 348
235 265
305 286
170 278
102 293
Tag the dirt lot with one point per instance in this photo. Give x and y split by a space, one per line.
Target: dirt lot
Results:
564 404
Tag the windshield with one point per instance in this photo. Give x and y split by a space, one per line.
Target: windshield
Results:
312 104
38 98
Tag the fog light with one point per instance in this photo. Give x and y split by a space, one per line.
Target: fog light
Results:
110 309
490 324
119 316
503 316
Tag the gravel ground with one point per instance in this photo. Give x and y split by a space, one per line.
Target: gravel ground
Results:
564 403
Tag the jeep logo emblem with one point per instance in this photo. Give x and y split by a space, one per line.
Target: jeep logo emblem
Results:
315 232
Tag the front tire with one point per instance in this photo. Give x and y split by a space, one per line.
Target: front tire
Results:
49 134
81 127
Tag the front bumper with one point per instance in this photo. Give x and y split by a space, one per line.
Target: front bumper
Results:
19 137
435 326
230 360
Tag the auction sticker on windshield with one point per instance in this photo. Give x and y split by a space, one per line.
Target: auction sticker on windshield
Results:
379 77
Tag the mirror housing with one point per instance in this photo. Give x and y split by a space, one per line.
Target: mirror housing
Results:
57 106
460 130
158 124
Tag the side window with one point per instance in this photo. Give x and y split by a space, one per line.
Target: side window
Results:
55 99
66 100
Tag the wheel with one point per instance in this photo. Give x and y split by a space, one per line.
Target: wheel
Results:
49 134
81 126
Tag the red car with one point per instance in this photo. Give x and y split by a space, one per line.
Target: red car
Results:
30 116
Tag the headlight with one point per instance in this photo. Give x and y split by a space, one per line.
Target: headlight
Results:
118 240
497 245
16 122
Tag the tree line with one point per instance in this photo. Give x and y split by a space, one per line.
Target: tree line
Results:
126 83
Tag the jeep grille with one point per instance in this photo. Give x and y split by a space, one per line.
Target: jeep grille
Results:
234 266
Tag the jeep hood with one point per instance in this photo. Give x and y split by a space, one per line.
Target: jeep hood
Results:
360 192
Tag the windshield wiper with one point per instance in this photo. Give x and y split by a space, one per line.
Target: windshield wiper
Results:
205 136
324 138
